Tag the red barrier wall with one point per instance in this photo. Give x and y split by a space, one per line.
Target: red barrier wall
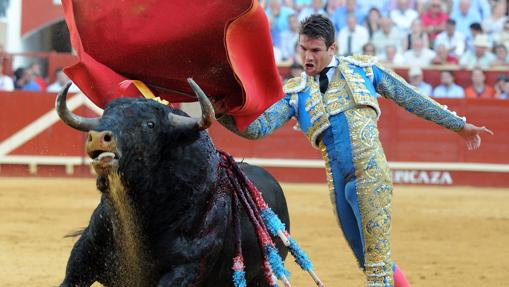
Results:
405 137
32 135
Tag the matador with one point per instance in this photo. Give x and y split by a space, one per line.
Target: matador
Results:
340 119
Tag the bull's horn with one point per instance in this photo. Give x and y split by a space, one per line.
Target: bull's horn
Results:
207 111
72 120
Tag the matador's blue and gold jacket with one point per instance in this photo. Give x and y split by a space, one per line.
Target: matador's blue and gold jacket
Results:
357 82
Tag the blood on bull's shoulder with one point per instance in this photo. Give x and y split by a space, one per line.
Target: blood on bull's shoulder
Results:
165 215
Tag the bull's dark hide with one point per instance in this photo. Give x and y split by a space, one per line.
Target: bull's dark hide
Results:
181 201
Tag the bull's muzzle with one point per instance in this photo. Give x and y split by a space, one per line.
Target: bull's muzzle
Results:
102 148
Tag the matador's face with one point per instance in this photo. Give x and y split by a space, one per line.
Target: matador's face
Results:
314 54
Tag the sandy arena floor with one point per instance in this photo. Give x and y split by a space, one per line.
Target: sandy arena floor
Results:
441 236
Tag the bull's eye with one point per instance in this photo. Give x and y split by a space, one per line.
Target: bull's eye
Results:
151 124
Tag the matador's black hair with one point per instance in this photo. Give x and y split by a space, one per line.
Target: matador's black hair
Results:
318 27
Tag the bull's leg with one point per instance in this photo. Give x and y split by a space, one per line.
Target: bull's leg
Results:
89 255
82 267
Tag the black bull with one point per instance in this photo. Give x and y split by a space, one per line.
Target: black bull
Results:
177 228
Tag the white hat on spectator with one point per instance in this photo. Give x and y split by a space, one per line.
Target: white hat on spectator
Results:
481 41
414 71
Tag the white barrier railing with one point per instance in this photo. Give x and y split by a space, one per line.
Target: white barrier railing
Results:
71 161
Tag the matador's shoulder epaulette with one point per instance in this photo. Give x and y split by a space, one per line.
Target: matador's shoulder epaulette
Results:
295 85
360 60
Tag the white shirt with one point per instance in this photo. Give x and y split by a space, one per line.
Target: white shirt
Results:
456 42
403 19
330 73
380 40
491 27
470 61
453 91
6 84
398 59
288 44
422 59
359 37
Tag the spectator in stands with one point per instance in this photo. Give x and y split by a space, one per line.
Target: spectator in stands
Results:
24 80
464 16
502 87
352 37
290 38
35 68
369 49
505 91
6 82
278 57
434 19
481 7
317 7
278 19
291 3
417 5
453 40
501 57
386 35
503 37
391 56
419 55
4 56
481 57
403 16
339 17
495 23
479 89
417 80
381 5
443 57
331 6
372 22
417 32
475 30
61 80
447 87
298 5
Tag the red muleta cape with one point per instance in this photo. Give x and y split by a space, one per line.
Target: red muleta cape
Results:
225 46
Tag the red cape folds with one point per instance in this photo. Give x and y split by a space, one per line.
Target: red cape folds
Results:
224 46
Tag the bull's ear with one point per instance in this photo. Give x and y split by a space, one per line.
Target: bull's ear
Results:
180 129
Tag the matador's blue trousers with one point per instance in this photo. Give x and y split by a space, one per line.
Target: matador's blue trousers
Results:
361 189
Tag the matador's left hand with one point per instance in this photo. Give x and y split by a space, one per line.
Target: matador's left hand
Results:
472 135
